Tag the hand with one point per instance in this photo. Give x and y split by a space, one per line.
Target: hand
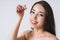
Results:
20 10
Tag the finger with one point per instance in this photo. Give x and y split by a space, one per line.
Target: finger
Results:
24 7
19 10
20 7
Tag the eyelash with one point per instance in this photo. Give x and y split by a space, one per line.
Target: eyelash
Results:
41 14
38 14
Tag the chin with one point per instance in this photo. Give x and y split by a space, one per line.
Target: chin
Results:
34 26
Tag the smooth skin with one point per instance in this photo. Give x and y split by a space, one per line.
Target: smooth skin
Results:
37 17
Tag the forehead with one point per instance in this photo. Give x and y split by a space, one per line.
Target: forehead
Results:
39 7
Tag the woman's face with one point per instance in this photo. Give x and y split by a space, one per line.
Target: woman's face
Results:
37 16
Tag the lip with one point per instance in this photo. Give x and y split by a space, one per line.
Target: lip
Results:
34 22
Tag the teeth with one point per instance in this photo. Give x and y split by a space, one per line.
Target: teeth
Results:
34 22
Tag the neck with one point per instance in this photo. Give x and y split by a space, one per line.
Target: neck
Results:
38 31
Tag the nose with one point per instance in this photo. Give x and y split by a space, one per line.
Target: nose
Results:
35 16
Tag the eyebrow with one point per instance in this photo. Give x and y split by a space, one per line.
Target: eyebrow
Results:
33 9
39 11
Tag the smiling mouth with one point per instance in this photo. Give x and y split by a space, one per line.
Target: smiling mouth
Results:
34 22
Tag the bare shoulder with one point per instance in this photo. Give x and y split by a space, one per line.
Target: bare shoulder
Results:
27 32
24 35
50 36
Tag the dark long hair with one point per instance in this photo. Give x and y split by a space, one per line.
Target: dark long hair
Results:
49 24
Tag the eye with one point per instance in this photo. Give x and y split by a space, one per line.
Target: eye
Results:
32 12
41 15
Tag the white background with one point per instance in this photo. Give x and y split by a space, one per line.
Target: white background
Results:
8 16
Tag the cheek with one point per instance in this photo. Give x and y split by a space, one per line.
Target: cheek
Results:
41 20
30 17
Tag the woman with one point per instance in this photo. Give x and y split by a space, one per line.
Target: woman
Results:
41 20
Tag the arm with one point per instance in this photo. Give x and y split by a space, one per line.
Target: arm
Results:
14 33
